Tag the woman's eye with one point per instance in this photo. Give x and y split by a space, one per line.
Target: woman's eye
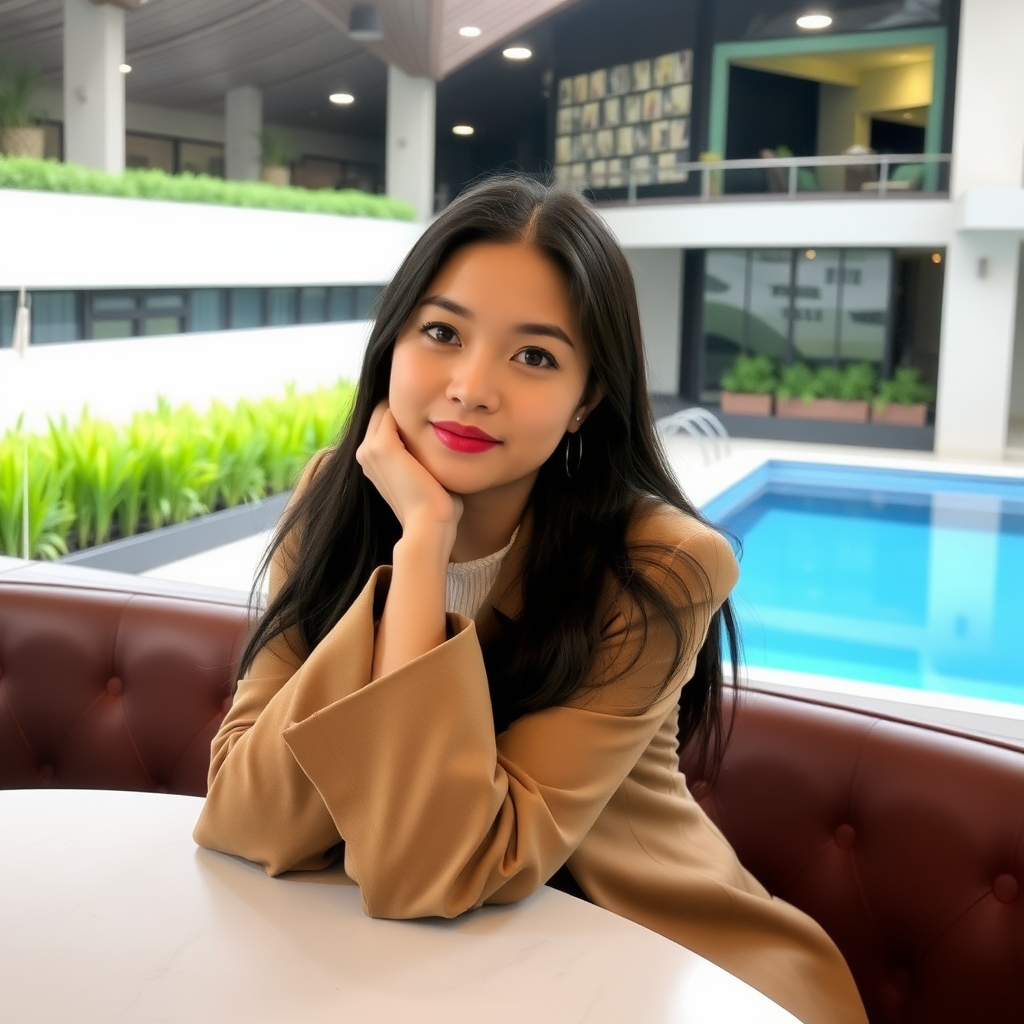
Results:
536 357
439 332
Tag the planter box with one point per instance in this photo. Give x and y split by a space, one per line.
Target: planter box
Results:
822 409
27 141
735 403
896 415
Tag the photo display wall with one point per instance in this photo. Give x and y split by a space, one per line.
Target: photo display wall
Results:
630 117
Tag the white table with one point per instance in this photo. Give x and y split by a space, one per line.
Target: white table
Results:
109 912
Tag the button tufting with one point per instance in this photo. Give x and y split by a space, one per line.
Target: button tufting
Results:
845 837
45 773
1005 888
115 687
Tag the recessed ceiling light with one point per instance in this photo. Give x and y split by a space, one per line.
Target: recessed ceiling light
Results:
341 98
469 31
907 115
936 257
462 129
814 21
517 53
810 254
124 68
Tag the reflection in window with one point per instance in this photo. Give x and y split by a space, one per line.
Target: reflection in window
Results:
201 158
149 151
366 296
8 307
163 325
725 299
768 302
341 305
815 305
866 299
246 307
56 316
281 306
313 305
209 308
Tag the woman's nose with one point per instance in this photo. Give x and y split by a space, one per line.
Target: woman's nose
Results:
474 381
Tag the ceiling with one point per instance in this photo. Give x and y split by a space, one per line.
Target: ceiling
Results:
185 54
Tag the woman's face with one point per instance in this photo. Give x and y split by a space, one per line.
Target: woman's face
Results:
489 371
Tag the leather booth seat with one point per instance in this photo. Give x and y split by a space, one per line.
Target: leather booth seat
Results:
906 842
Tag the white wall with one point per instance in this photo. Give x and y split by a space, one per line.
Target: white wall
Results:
1017 373
71 241
659 287
116 378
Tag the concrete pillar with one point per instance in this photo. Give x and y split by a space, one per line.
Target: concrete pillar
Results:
243 122
659 290
980 298
94 85
411 126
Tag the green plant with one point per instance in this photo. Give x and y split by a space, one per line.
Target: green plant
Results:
797 380
859 382
828 382
32 175
19 86
751 375
905 387
276 148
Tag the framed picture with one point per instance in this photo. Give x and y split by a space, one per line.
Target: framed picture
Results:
641 75
580 88
652 105
679 133
676 100
634 109
640 166
619 80
564 92
562 174
564 121
599 174
591 118
604 140
563 149
641 138
660 136
624 141
616 174
577 147
668 171
588 149
578 174
613 112
686 60
666 68
598 84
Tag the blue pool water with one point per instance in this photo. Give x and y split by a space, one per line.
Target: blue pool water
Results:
887 576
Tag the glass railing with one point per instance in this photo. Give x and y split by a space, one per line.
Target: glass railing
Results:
875 175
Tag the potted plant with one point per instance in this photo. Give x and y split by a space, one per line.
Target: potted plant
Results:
903 400
20 131
276 156
748 386
796 392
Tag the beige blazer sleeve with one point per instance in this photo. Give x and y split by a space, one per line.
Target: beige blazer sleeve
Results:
439 816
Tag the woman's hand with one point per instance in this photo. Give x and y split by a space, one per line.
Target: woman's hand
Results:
416 498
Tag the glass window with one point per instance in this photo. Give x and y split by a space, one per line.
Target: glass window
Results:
246 307
163 325
282 306
313 172
102 329
53 141
366 296
149 151
341 304
201 158
867 287
725 296
103 304
313 305
209 306
815 305
8 306
164 300
768 303
56 316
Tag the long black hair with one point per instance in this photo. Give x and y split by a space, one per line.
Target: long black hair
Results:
340 529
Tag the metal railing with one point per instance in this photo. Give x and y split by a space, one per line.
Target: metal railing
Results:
704 427
861 173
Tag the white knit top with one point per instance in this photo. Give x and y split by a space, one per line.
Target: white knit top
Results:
468 583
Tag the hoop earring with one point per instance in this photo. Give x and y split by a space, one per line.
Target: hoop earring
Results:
579 457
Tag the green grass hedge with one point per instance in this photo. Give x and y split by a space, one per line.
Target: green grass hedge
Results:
93 481
53 176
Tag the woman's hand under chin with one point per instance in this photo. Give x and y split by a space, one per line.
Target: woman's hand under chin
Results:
419 502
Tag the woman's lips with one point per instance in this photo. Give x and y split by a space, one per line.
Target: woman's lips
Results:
460 438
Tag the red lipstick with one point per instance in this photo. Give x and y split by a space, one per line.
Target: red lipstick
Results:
462 438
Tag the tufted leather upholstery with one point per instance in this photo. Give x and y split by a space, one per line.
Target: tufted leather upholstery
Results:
904 841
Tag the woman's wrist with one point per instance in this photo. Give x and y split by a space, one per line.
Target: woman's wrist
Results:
426 543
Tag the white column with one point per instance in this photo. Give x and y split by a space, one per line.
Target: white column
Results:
658 274
243 121
409 159
979 307
94 85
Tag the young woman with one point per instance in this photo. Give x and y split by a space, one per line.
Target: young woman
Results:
484 606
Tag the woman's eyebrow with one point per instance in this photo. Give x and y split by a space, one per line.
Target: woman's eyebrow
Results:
546 330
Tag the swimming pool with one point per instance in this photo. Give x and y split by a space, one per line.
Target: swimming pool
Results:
903 578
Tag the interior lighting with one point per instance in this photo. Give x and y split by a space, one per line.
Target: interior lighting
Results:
469 31
517 53
341 98
462 129
124 68
936 257
811 254
814 21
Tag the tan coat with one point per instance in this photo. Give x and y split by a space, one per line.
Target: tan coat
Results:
440 816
